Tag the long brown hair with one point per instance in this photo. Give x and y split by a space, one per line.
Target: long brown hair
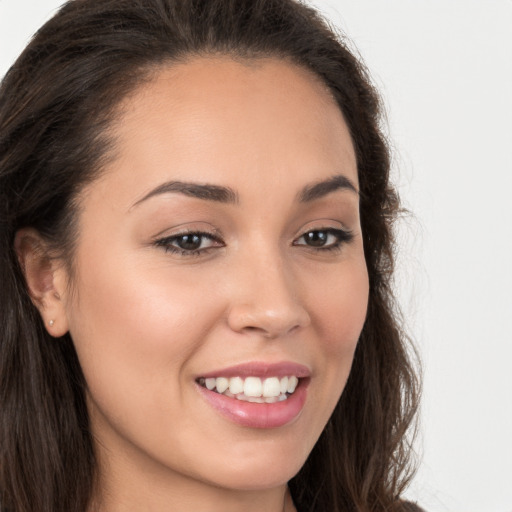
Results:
56 104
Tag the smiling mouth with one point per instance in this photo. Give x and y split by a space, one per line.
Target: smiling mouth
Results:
252 389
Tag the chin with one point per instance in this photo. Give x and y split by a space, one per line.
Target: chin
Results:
262 471
254 479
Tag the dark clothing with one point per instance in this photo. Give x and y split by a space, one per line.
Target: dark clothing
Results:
411 507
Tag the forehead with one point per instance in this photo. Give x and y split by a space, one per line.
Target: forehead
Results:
249 123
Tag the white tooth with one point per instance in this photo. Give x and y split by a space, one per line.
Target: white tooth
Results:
284 384
271 387
241 396
253 386
236 385
282 398
292 384
271 399
256 399
209 383
221 384
228 394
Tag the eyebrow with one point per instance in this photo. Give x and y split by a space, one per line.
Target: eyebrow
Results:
206 192
221 194
325 187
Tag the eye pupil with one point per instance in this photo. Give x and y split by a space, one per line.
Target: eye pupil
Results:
189 242
316 238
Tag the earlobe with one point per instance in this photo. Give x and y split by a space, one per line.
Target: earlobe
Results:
43 279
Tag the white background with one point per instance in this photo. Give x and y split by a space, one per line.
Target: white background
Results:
444 68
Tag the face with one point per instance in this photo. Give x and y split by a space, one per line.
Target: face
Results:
221 247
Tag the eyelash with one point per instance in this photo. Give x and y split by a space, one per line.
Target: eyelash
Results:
342 237
166 243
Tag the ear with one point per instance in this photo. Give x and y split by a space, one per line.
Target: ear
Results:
46 279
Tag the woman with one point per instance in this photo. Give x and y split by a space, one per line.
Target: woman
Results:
197 252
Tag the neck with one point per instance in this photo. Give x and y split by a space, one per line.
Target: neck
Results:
275 500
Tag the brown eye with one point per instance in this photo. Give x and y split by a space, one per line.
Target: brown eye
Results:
189 242
316 238
324 239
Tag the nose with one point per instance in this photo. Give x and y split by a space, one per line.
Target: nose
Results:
266 300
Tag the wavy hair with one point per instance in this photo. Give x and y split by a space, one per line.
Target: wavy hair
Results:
56 105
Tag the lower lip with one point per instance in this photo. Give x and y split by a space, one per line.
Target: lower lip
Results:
254 415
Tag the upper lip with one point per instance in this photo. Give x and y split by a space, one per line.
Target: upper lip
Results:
261 369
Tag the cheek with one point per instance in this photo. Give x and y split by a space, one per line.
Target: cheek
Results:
134 324
340 311
340 308
136 328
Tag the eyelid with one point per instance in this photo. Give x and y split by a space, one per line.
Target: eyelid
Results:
323 224
188 228
342 236
333 228
174 236
167 239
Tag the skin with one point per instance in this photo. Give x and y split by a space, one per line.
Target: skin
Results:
146 321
